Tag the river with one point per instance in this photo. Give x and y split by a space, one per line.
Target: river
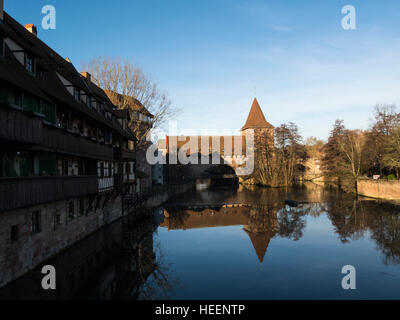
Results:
233 243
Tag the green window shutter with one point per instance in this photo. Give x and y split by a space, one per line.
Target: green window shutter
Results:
47 164
30 103
48 110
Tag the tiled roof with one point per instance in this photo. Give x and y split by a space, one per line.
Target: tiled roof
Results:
13 72
256 118
134 104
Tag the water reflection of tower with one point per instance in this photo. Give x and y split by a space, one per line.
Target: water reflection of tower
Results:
261 227
260 222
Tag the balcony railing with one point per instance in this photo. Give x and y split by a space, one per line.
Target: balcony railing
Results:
106 184
62 141
22 192
128 155
20 126
28 127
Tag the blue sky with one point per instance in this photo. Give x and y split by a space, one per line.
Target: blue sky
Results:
212 56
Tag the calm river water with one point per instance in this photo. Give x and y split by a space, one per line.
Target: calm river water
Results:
236 244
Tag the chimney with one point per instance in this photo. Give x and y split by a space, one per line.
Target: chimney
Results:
31 28
1 10
87 75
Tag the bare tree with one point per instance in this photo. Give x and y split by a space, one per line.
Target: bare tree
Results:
314 147
129 87
351 144
278 162
378 140
391 158
344 157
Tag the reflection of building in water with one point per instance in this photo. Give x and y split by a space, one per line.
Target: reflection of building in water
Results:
113 263
259 223
261 227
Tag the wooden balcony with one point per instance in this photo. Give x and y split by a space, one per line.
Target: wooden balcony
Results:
23 192
122 178
20 126
29 128
123 154
61 141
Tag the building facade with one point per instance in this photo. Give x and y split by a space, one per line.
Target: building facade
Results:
234 151
140 123
67 158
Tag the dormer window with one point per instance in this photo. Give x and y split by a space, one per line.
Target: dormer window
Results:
89 102
76 94
29 63
83 97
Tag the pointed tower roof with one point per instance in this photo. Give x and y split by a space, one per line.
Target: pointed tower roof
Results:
256 118
260 243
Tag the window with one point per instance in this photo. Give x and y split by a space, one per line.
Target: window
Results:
70 211
36 222
82 207
76 94
14 233
91 203
89 101
106 169
30 103
101 169
65 165
29 63
57 218
81 167
18 164
48 110
40 73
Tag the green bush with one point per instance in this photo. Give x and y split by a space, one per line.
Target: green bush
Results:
391 177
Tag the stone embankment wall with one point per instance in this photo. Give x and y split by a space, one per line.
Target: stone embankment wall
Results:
379 189
172 191
28 250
